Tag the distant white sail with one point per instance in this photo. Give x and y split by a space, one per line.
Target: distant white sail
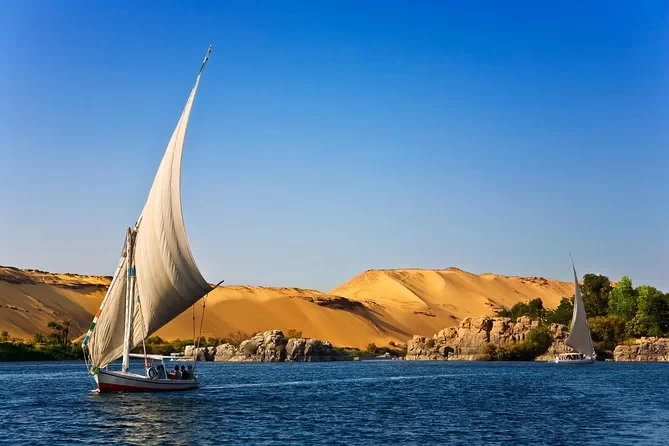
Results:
167 279
579 333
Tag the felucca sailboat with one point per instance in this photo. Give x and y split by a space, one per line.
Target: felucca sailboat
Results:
579 333
156 280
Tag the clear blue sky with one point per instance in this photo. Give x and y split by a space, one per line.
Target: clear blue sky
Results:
329 139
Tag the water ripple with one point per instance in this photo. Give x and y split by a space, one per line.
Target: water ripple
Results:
346 403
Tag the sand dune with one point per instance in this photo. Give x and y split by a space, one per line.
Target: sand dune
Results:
422 301
376 306
30 299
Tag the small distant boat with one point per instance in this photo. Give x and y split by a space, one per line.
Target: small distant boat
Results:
156 280
579 333
179 357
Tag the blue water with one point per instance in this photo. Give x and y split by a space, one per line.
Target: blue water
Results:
392 402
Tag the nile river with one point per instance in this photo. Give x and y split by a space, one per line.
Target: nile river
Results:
376 402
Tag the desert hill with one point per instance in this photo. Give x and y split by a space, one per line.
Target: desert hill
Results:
376 306
417 300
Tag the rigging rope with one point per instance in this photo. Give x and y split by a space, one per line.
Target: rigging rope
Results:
204 304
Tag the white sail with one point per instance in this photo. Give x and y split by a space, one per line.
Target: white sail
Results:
167 279
579 333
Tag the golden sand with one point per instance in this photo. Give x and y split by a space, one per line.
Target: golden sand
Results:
376 306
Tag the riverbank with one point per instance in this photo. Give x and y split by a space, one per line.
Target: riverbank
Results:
489 339
643 350
274 346
22 351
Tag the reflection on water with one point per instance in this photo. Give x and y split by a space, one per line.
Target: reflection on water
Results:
145 418
346 403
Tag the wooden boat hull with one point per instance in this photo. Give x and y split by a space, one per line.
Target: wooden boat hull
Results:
130 382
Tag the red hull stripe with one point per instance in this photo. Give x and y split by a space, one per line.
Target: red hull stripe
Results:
104 387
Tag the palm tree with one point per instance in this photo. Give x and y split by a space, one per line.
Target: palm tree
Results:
56 331
67 331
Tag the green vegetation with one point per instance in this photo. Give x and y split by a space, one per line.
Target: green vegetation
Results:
371 349
595 291
536 343
606 331
40 348
347 352
615 314
395 350
292 333
156 345
55 346
534 309
653 308
562 313
623 300
59 332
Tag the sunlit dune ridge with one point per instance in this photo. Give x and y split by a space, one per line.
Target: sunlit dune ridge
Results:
376 306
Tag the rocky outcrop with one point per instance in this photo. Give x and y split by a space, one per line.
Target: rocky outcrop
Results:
224 352
200 354
272 346
309 350
29 276
559 333
470 339
269 346
644 349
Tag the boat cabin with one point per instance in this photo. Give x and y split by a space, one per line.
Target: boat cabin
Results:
570 356
155 368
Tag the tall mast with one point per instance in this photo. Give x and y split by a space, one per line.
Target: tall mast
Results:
204 62
129 297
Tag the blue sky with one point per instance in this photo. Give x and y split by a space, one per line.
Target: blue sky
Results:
330 139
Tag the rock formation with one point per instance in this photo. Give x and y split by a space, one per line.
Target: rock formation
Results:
224 352
309 350
270 346
471 337
200 353
644 349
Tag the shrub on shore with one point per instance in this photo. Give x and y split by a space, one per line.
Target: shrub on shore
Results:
536 343
615 313
28 351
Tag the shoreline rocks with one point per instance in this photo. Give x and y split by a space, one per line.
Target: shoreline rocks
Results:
224 352
310 350
269 346
470 339
200 354
643 349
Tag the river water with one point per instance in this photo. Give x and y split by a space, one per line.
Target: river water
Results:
375 402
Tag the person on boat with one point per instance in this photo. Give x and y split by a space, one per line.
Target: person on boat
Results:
191 375
184 373
177 372
161 372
